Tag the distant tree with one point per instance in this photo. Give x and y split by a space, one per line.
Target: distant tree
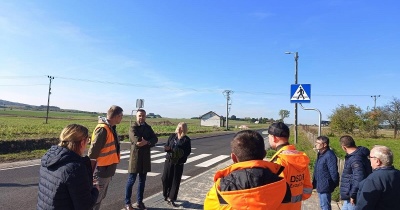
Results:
345 119
284 114
391 115
233 117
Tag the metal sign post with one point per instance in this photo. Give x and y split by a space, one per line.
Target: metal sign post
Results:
139 105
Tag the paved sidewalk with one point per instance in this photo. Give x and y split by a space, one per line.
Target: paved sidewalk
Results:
193 191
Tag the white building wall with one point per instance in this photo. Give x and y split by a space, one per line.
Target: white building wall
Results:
210 119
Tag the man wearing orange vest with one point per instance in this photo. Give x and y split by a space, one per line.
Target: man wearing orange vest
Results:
251 182
105 149
296 171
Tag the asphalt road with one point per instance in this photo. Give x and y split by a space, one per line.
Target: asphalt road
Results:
19 181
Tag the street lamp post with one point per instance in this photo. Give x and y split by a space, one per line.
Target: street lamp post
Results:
296 58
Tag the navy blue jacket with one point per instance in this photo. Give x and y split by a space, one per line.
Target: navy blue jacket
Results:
380 190
356 168
65 181
326 175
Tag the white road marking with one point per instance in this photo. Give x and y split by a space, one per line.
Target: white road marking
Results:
212 161
121 171
198 157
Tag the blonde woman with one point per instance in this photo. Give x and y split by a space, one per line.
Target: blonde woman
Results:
66 180
178 148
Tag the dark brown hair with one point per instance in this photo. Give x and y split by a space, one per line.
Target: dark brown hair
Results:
347 141
248 145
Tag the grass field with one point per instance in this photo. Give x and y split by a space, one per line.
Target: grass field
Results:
24 124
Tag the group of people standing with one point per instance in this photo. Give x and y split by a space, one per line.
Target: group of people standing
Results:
368 180
69 179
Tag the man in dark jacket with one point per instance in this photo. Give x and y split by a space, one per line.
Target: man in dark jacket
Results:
381 189
326 176
356 168
142 138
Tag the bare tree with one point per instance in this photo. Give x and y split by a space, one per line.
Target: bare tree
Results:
391 114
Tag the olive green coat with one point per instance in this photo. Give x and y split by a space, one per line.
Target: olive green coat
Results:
140 160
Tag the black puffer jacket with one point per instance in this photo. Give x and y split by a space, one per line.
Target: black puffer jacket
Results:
183 147
65 181
356 168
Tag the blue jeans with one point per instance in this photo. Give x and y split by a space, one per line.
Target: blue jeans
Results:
347 205
325 201
129 185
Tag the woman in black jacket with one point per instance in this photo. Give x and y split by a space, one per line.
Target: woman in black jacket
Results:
178 148
66 178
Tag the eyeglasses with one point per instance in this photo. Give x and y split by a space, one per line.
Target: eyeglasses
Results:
370 157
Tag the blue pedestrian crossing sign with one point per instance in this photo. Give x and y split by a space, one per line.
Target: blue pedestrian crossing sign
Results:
300 93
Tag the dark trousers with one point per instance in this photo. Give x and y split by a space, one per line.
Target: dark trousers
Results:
171 179
129 185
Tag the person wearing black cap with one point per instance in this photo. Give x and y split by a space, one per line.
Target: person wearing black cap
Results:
296 170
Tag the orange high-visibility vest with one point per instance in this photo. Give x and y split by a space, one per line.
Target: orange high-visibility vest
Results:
296 174
267 196
108 154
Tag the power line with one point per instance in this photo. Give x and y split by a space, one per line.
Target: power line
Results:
175 88
25 85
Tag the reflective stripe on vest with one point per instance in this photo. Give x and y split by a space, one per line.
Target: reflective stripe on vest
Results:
108 154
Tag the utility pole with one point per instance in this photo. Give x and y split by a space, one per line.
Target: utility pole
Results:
48 97
227 94
296 58
375 96
375 115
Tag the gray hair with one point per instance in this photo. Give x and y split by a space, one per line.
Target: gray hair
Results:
384 154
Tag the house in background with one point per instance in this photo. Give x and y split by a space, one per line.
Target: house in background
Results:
211 119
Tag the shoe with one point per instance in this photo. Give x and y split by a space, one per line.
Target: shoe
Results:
171 202
140 206
128 207
165 199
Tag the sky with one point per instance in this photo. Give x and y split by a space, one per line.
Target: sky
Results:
180 56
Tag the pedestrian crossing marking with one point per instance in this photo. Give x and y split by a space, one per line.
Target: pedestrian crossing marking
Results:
158 155
212 161
185 177
122 171
128 152
160 160
198 157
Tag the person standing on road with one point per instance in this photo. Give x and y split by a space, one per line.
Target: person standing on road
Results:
381 189
296 172
356 168
142 138
66 180
105 148
178 148
251 182
326 176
